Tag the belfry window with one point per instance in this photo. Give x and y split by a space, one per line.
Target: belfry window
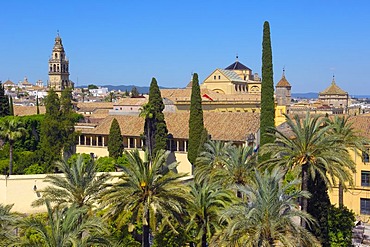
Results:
54 68
56 55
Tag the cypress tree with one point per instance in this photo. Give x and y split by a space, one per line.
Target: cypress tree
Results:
159 126
115 140
37 105
196 125
267 117
11 106
4 102
319 208
51 136
67 123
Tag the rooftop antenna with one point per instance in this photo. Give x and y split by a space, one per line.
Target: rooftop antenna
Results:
237 57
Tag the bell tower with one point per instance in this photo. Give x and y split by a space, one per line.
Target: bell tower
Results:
59 68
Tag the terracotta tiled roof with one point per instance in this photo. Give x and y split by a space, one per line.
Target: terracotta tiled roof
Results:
361 123
226 126
333 89
131 101
185 94
27 110
283 82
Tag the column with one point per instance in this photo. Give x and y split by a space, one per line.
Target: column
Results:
103 140
97 141
79 140
128 142
135 142
185 148
85 140
177 148
91 140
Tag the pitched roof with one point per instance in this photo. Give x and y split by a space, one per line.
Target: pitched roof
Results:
333 89
227 126
27 110
231 75
283 82
237 66
361 123
8 83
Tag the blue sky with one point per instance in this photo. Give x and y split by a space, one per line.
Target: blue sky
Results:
128 42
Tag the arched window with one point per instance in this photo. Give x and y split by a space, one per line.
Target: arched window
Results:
236 87
64 68
58 68
56 55
54 68
51 68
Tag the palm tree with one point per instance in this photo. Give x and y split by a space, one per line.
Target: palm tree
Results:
65 228
206 203
225 164
149 189
80 184
310 149
342 127
238 167
267 215
147 113
8 223
212 158
11 129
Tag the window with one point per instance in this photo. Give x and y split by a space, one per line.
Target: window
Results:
365 178
214 77
364 206
219 77
365 156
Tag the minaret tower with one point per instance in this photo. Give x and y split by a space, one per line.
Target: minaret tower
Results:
59 68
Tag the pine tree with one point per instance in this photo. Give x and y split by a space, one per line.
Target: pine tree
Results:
159 126
115 140
11 106
318 208
267 91
196 125
4 102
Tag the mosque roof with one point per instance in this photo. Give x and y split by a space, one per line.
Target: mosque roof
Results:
237 66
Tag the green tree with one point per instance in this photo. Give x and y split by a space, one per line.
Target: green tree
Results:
205 206
92 86
37 105
196 125
342 127
211 159
67 123
147 192
134 92
310 150
267 91
160 131
115 140
147 112
266 215
65 228
318 207
11 129
80 185
11 106
4 102
341 223
51 136
8 223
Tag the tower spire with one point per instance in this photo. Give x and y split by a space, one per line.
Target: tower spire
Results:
333 81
